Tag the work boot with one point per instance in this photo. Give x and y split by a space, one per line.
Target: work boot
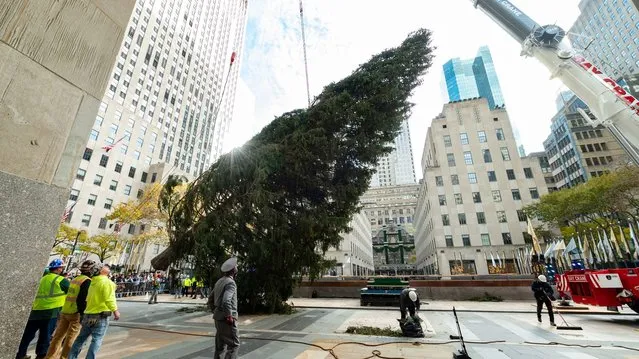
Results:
539 318
552 324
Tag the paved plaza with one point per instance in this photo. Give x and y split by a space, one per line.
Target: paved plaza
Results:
517 334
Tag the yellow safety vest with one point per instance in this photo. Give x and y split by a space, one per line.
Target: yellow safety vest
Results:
50 295
187 282
200 283
71 305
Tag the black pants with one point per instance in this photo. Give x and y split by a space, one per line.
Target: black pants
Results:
409 307
540 303
45 328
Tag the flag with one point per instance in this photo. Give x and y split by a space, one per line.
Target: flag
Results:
570 248
634 241
67 212
608 247
549 249
615 244
108 148
492 259
594 251
586 251
498 259
623 240
558 247
535 240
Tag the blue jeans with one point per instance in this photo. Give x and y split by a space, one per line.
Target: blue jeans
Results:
96 330
45 328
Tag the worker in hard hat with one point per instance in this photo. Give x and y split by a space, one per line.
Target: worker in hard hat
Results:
543 295
408 300
223 302
44 313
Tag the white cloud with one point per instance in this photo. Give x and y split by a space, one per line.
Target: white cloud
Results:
342 34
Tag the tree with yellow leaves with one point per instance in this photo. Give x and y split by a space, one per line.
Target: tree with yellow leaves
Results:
64 239
103 245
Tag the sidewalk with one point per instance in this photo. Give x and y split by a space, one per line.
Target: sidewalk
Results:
427 305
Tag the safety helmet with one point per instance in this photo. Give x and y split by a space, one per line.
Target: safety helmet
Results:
87 267
56 263
542 278
412 295
96 268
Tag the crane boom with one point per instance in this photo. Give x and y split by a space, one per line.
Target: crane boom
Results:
610 104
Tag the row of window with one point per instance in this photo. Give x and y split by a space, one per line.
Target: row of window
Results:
485 239
481 217
492 177
104 160
585 135
468 156
599 161
481 136
594 147
496 196
387 212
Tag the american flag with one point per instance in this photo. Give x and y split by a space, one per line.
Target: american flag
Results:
67 213
108 148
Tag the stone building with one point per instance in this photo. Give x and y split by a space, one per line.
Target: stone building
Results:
354 255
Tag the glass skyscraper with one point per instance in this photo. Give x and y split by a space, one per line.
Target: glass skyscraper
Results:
470 78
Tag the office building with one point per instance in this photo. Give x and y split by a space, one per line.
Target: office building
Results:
397 167
474 189
576 151
549 179
472 78
163 111
607 33
354 255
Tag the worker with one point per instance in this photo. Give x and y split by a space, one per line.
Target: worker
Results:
155 288
68 326
44 311
186 285
408 300
193 288
543 295
200 288
223 302
101 304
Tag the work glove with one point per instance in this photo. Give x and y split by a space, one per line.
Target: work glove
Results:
230 320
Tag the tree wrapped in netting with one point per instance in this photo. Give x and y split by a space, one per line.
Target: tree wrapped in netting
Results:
281 200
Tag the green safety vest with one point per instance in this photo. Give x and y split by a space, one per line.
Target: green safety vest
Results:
50 295
71 305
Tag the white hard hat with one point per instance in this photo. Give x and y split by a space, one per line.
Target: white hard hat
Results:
229 264
542 278
412 295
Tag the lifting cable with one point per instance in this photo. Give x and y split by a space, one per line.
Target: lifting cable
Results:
308 91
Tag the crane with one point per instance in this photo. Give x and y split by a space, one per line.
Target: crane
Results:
610 104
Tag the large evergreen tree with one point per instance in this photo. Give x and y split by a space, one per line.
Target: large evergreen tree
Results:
280 201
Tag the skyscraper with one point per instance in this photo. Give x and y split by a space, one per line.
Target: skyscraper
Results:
397 167
607 32
163 111
471 78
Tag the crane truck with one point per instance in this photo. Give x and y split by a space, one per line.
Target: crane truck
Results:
609 103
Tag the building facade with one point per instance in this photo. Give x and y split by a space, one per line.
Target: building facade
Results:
474 189
397 167
394 251
164 105
472 78
607 32
576 151
544 164
354 256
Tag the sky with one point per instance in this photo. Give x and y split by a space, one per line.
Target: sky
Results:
340 35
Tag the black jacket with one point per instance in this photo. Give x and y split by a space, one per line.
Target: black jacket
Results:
542 289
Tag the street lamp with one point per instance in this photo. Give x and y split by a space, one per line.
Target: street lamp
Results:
75 244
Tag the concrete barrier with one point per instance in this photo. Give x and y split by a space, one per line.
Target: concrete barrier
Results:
462 289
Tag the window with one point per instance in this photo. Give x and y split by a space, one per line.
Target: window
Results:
496 196
468 158
454 179
521 215
516 194
462 218
108 203
132 172
492 177
114 185
154 176
87 154
81 173
487 157
94 135
501 216
510 174
141 192
136 155
86 219
103 223
485 239
92 199
124 148
97 180
476 197
131 228
143 178
481 218
463 137
507 239
74 195
127 190
449 241
472 177
451 159
104 160
528 172
445 220
118 167
534 194
500 134
442 200
447 141
482 136
466 240
439 180
458 198
505 155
